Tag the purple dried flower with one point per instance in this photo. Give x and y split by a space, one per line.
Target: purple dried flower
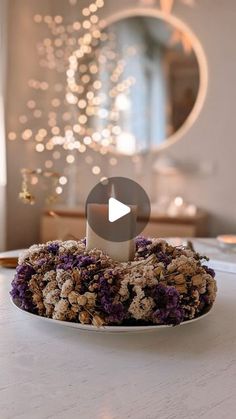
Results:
20 289
142 242
75 261
53 248
115 311
168 305
173 316
164 258
83 261
141 246
209 271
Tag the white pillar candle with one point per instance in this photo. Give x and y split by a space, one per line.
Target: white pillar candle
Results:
119 251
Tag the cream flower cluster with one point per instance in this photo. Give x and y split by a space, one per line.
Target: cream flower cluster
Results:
163 285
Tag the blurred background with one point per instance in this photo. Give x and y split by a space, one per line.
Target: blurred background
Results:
137 88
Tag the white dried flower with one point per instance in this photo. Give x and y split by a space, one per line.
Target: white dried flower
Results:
67 287
53 297
62 276
60 311
141 308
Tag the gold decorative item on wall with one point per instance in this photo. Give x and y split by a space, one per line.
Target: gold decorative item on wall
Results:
30 177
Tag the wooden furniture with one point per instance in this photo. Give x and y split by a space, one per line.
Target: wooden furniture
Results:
64 223
48 371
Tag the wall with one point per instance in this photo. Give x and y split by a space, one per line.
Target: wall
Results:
3 30
210 142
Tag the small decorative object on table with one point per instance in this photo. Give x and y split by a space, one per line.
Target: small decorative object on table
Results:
227 241
163 285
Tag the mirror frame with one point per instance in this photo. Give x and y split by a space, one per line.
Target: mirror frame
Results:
201 59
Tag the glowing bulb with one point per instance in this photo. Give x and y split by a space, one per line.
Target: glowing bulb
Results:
63 180
27 134
12 136
38 18
86 24
82 119
39 148
96 170
179 201
82 104
31 104
59 190
82 148
86 11
70 159
122 102
42 132
58 19
87 140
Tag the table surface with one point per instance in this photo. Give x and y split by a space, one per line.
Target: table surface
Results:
49 371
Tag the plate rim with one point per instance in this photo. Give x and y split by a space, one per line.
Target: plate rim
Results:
104 329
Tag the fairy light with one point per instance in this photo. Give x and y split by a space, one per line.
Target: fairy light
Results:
59 190
63 180
70 159
87 140
27 134
38 18
82 148
78 50
12 136
37 113
96 170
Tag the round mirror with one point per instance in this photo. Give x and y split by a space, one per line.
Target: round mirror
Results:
149 80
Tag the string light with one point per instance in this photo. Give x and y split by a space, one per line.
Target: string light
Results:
63 180
70 159
96 170
11 136
78 50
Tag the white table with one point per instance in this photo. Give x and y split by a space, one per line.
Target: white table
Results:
187 372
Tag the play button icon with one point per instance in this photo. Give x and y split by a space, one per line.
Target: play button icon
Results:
117 209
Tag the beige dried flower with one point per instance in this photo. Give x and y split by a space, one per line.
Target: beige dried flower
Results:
73 297
67 287
84 317
141 308
62 276
53 297
60 311
82 300
49 287
91 299
179 279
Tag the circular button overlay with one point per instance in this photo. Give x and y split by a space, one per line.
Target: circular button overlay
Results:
118 209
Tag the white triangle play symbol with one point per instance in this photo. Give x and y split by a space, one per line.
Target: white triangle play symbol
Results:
117 210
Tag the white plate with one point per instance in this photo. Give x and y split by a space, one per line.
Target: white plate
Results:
106 329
